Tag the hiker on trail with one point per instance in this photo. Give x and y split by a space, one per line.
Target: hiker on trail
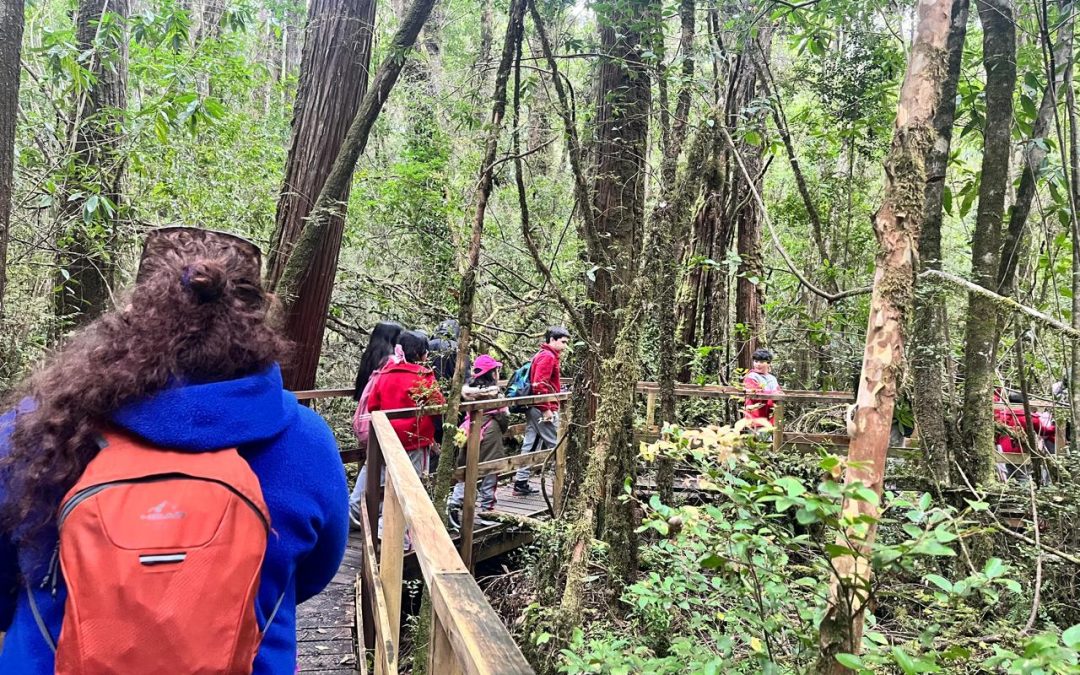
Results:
443 348
172 552
542 419
483 384
405 382
380 350
759 412
380 347
1011 423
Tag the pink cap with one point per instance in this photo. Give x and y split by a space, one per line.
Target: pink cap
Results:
484 364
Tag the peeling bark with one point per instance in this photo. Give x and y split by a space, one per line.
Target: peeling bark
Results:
896 225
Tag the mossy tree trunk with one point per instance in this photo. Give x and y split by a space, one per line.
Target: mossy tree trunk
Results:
999 58
11 31
333 80
91 192
929 348
896 225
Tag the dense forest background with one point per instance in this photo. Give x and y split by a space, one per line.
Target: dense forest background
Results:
678 183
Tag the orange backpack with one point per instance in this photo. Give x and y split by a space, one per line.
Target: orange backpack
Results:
161 553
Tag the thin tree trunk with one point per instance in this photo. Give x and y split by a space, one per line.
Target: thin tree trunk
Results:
86 260
999 58
896 224
11 31
330 203
929 348
333 80
1035 152
665 259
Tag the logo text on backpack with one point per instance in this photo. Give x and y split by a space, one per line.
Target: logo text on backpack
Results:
159 512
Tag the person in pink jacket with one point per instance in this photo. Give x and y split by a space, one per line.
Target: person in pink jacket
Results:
759 412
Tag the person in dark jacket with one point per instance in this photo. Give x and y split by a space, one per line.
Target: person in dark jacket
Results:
483 384
189 363
542 419
443 348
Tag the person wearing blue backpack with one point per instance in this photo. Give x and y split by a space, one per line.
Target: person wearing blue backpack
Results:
542 419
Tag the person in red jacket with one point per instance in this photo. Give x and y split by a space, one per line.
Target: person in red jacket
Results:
759 412
542 420
408 384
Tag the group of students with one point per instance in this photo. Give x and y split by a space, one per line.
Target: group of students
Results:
404 369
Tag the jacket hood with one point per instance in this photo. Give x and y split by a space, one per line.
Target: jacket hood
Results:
212 415
450 328
406 367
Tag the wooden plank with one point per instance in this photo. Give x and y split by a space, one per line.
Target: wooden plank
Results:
385 649
468 508
650 409
473 628
505 464
441 657
391 559
778 432
431 542
313 394
560 468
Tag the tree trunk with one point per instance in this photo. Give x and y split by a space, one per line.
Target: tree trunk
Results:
622 126
1035 152
999 58
11 30
93 186
896 225
330 203
665 259
749 287
929 348
333 80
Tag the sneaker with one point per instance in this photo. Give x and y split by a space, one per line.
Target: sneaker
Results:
488 508
453 516
523 489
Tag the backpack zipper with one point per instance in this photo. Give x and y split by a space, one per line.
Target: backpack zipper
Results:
52 578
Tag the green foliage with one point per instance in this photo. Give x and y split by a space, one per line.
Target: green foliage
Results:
739 583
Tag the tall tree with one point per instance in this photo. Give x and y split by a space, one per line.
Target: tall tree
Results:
896 225
622 129
11 30
749 286
93 177
929 349
333 80
999 59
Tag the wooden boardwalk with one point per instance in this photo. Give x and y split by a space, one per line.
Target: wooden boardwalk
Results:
324 624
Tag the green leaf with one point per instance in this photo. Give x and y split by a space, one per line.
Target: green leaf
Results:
850 661
1071 637
905 661
941 582
994 568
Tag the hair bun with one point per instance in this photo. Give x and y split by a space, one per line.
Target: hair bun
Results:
205 279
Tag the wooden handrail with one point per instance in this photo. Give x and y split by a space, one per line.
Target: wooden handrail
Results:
464 627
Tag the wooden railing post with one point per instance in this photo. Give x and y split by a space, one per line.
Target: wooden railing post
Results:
650 411
468 506
778 426
372 498
441 657
391 558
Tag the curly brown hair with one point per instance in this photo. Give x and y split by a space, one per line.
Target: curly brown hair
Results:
197 313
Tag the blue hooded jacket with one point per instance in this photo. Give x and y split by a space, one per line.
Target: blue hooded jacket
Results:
293 453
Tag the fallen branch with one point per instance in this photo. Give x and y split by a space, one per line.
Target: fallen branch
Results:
1006 303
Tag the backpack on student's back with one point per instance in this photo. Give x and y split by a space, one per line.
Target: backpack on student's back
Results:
161 552
520 385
